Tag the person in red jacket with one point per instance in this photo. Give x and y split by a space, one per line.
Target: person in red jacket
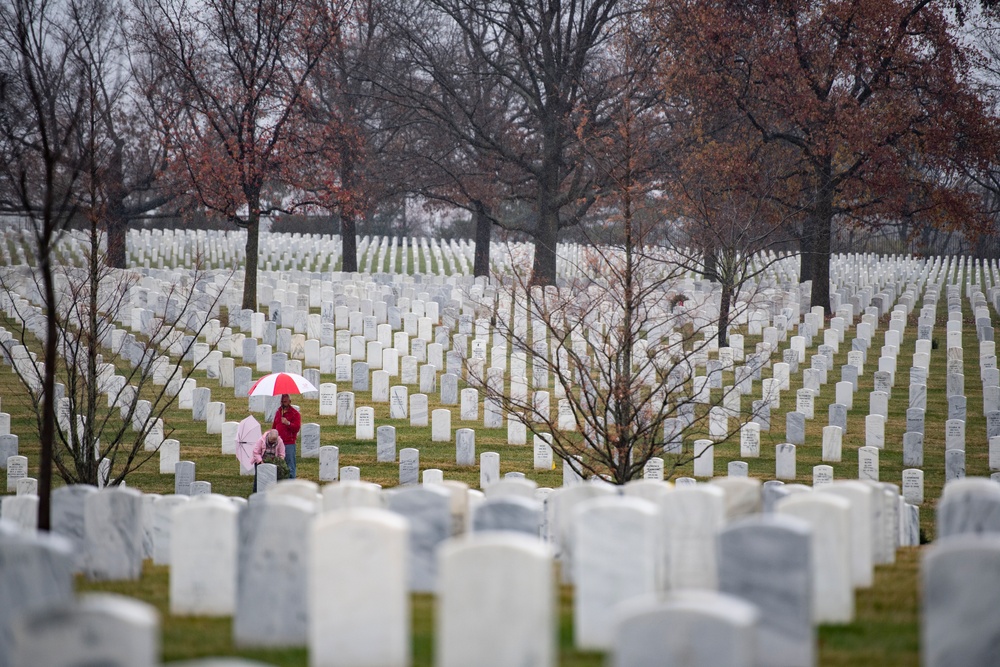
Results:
287 422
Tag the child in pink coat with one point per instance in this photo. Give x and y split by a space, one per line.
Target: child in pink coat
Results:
270 443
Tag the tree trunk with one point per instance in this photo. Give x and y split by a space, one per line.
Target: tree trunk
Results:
543 271
806 258
821 263
348 212
725 305
250 278
349 241
817 236
484 229
821 233
116 223
86 463
710 270
48 431
117 228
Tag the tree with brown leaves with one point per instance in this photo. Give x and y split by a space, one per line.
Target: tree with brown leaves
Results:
235 78
873 101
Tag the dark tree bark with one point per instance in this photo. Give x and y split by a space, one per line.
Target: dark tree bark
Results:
348 214
47 433
821 223
807 256
817 232
543 270
710 269
541 61
349 241
484 230
253 251
117 229
116 221
725 306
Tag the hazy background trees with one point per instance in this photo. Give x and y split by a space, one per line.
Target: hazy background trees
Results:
230 82
113 386
881 115
873 102
43 108
721 129
520 90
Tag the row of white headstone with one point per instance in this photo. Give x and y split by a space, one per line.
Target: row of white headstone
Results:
216 424
218 249
332 571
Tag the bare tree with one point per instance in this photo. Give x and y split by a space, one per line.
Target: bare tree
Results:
622 355
350 90
728 223
450 175
622 360
233 77
441 79
115 383
519 84
43 96
125 160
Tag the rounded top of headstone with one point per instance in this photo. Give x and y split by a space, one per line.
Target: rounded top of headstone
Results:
579 492
137 612
702 489
770 520
302 488
511 501
854 485
493 540
353 483
732 610
291 501
171 499
817 499
211 502
376 515
727 482
121 490
969 486
215 497
642 488
507 486
616 502
988 543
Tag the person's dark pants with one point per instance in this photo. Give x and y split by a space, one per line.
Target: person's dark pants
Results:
255 477
290 460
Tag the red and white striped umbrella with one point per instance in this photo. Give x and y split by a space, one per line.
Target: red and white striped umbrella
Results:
275 384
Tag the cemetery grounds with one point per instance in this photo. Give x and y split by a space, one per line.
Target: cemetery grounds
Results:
886 626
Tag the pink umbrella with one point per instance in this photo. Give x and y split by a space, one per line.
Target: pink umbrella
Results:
275 384
247 434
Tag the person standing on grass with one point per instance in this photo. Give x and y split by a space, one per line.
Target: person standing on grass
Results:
287 422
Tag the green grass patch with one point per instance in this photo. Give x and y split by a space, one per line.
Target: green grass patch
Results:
886 628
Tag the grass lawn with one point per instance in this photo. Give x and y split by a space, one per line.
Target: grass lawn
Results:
885 631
